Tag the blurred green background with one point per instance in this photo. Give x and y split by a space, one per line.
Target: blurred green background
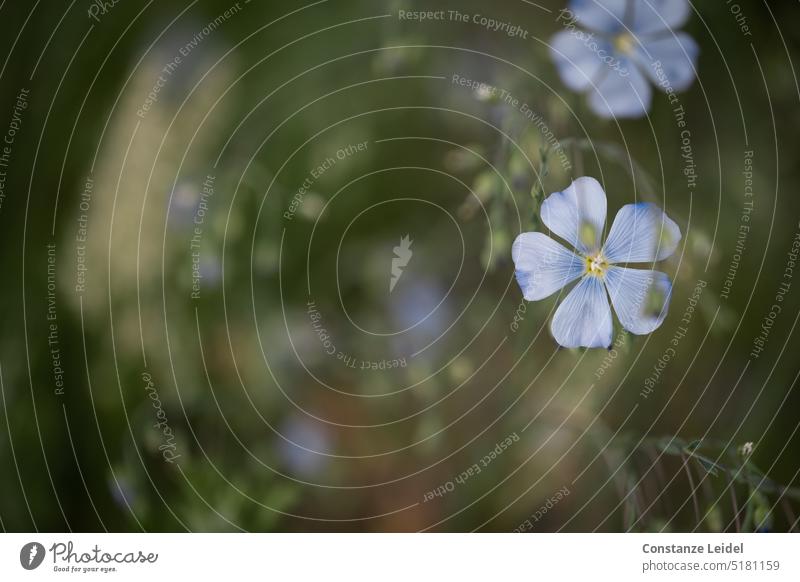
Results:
225 411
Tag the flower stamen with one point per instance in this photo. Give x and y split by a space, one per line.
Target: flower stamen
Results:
596 265
624 43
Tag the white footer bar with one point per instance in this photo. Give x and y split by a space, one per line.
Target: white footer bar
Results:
406 557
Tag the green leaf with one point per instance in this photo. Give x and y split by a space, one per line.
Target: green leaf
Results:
708 465
670 445
693 446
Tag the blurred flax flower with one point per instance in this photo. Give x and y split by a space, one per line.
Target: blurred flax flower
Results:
641 233
628 44
303 446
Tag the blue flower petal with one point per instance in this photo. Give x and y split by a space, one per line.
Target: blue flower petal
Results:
606 16
579 64
619 95
577 214
641 233
584 318
654 16
640 297
669 60
543 266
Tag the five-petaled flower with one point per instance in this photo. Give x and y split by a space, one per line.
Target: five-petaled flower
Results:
641 233
627 43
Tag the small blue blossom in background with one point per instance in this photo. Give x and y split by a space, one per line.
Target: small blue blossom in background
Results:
628 45
641 233
304 446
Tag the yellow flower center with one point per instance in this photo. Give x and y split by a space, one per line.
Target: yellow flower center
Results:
596 265
624 43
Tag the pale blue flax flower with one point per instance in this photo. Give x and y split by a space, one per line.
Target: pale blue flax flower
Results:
614 49
641 233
